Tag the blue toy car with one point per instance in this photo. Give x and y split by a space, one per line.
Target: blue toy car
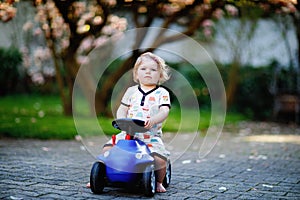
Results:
127 163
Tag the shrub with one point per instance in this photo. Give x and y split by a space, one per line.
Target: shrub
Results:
253 96
10 59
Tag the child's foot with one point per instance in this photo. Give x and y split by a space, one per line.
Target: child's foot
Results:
160 188
88 185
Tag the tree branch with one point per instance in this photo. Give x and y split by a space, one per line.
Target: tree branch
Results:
194 25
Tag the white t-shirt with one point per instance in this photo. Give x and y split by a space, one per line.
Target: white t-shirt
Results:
142 105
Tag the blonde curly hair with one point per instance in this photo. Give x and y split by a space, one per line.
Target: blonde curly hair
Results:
162 67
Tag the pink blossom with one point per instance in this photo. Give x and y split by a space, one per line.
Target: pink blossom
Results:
207 32
82 60
188 2
97 20
86 44
170 9
27 26
26 58
207 23
218 13
50 5
117 36
83 29
24 50
80 8
81 22
59 22
49 71
87 16
111 2
7 12
38 78
100 41
41 15
46 27
122 24
65 43
232 10
265 7
289 8
57 33
41 54
37 31
47 53
108 30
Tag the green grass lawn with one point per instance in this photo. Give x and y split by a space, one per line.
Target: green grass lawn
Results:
41 117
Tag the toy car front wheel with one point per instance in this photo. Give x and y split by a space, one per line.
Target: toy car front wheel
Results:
149 181
97 177
167 179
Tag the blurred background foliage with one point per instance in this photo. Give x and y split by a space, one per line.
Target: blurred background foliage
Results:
10 76
254 96
50 40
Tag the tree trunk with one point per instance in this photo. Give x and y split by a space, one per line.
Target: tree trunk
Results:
296 19
103 95
68 63
297 24
85 81
233 81
65 98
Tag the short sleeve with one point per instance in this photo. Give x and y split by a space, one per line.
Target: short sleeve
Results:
126 97
165 98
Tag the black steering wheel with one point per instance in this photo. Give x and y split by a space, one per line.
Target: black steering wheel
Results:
130 125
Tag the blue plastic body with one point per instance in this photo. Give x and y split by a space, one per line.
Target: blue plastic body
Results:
126 160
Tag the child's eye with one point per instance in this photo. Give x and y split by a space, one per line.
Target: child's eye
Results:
154 70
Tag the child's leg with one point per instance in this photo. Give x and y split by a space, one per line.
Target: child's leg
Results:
160 172
106 148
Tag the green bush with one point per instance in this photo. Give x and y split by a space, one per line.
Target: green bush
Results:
253 96
195 79
286 80
10 59
259 86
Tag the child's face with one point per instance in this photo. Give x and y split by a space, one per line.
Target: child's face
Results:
148 73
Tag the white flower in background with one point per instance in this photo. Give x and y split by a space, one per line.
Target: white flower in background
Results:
41 113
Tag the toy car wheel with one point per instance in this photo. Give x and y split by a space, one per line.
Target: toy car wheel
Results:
167 179
149 181
97 177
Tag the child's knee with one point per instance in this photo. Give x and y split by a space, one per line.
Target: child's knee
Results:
159 161
106 148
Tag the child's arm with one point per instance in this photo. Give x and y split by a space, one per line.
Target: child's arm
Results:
123 108
122 111
158 118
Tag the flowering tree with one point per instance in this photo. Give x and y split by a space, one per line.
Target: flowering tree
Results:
7 10
72 28
192 16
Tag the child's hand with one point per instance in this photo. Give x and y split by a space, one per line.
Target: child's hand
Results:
149 124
